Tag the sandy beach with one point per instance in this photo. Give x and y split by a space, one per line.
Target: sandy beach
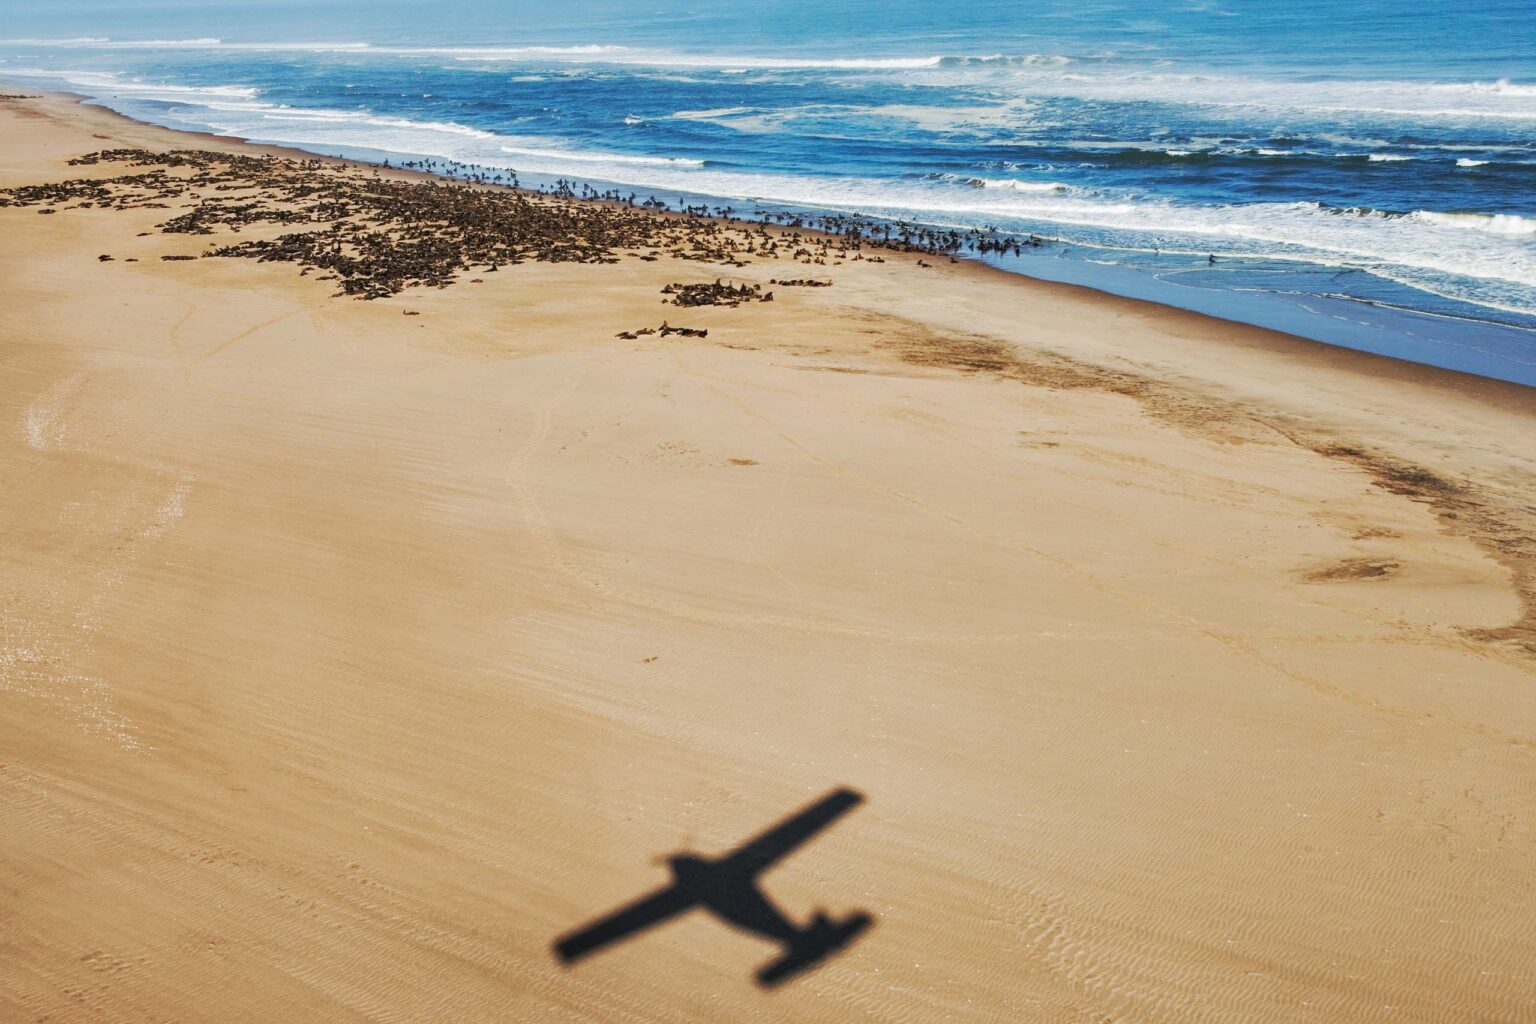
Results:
349 657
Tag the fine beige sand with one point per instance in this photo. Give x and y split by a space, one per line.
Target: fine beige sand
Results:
348 658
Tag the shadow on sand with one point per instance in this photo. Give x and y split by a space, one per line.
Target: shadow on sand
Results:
727 886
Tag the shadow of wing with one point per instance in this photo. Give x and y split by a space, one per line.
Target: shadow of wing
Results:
759 852
622 923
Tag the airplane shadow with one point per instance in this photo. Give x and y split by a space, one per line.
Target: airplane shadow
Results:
727 886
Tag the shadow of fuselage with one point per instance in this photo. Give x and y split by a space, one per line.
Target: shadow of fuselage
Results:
729 890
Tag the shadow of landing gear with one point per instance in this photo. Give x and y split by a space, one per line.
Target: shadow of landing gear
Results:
727 887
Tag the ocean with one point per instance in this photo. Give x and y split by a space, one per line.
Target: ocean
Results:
1363 174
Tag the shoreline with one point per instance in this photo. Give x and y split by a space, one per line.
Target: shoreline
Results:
1359 325
351 652
1370 365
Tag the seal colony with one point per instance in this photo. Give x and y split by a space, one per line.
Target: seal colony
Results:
377 235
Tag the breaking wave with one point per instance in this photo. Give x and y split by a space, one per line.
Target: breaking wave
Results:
1016 185
1508 224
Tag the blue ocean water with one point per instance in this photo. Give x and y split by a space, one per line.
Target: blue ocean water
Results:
1362 173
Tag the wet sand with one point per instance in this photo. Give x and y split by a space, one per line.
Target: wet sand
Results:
348 658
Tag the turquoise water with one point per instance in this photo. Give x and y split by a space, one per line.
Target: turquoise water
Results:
1363 173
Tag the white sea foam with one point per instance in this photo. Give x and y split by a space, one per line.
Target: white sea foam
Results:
69 41
1003 115
1130 83
1387 158
594 52
711 115
332 128
1006 114
106 43
1054 60
1502 87
447 127
582 157
589 50
300 116
1508 224
1468 162
728 62
1016 185
742 119
107 83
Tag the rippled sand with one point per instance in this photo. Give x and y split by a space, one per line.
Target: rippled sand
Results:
349 658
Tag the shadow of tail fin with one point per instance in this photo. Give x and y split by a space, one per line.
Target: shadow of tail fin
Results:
821 939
